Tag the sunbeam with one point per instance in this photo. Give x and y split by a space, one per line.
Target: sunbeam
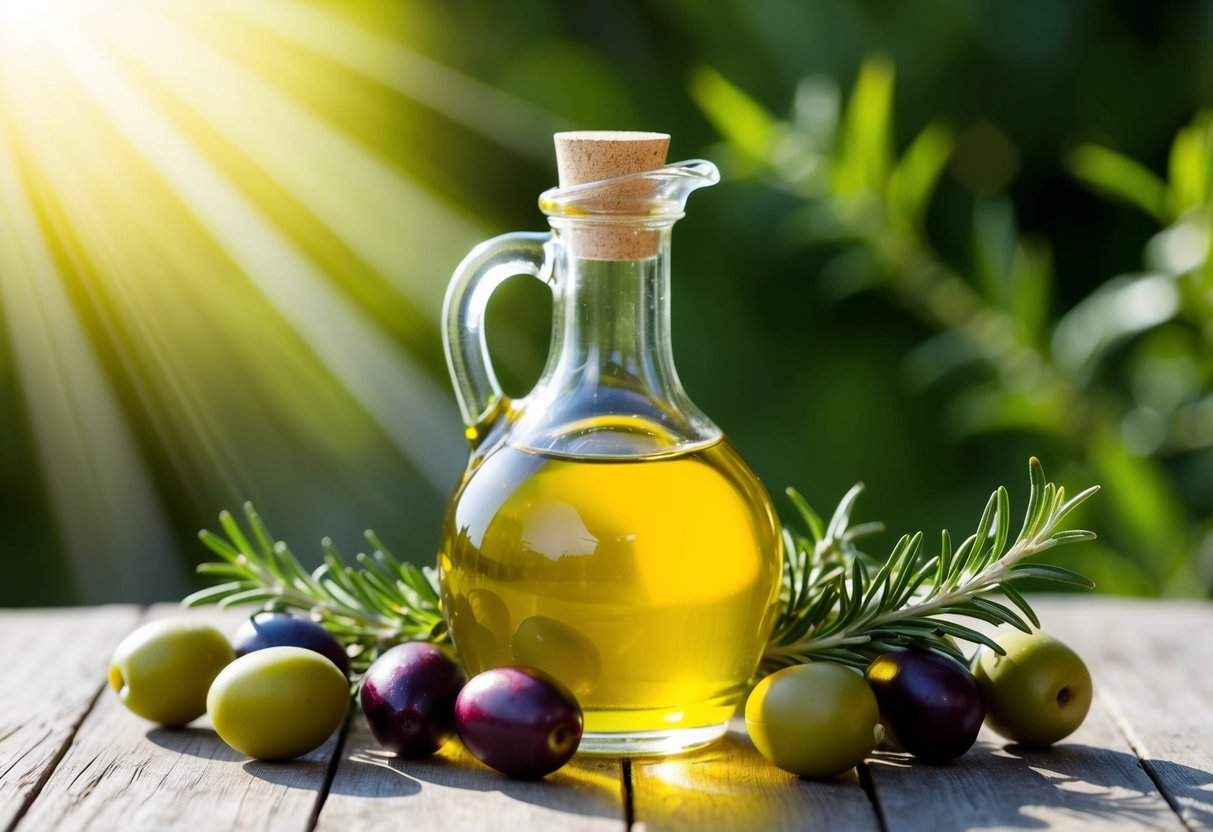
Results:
213 287
304 154
406 403
509 121
100 493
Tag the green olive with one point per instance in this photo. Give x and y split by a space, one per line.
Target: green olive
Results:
815 720
1038 693
162 670
278 703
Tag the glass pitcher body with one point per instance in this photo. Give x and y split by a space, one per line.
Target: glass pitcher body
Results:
605 531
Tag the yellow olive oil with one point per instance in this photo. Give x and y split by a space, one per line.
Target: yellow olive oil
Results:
646 584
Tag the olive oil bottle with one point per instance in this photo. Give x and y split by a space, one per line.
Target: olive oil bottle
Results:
641 583
605 531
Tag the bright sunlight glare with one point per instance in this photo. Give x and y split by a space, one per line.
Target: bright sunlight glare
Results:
201 263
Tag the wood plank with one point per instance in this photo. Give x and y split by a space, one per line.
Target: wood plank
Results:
122 772
373 789
1091 780
729 785
54 665
1151 662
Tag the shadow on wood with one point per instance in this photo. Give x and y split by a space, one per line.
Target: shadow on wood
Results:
433 793
195 740
997 786
1189 790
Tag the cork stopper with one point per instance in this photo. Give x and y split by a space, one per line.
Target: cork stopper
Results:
596 155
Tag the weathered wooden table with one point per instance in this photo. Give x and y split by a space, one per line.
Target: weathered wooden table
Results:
71 757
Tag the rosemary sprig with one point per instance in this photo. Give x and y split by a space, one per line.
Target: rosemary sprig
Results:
838 604
381 602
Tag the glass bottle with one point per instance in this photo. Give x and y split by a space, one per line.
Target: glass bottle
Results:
605 530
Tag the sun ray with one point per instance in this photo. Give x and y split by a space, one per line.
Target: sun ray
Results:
404 401
517 125
223 254
306 155
173 301
105 503
74 184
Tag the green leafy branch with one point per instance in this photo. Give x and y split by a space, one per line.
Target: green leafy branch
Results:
860 196
381 602
837 604
1075 376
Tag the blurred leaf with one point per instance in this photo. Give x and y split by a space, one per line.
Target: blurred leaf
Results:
1121 308
817 222
1167 369
855 269
1119 176
1191 164
987 409
865 152
815 110
1143 505
744 122
1032 287
915 177
935 357
802 151
994 240
1181 247
1207 271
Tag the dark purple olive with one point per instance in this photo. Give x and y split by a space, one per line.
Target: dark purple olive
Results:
519 720
408 696
930 704
279 629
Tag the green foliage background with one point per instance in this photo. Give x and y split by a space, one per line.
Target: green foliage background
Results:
950 235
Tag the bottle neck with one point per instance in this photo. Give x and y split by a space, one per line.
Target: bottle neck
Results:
610 387
612 323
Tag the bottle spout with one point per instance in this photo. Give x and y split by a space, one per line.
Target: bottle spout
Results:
652 198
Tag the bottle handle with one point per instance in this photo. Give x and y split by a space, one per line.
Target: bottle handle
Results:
481 400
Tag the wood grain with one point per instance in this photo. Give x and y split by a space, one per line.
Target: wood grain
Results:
730 786
1091 780
54 665
70 759
1152 664
122 772
373 789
